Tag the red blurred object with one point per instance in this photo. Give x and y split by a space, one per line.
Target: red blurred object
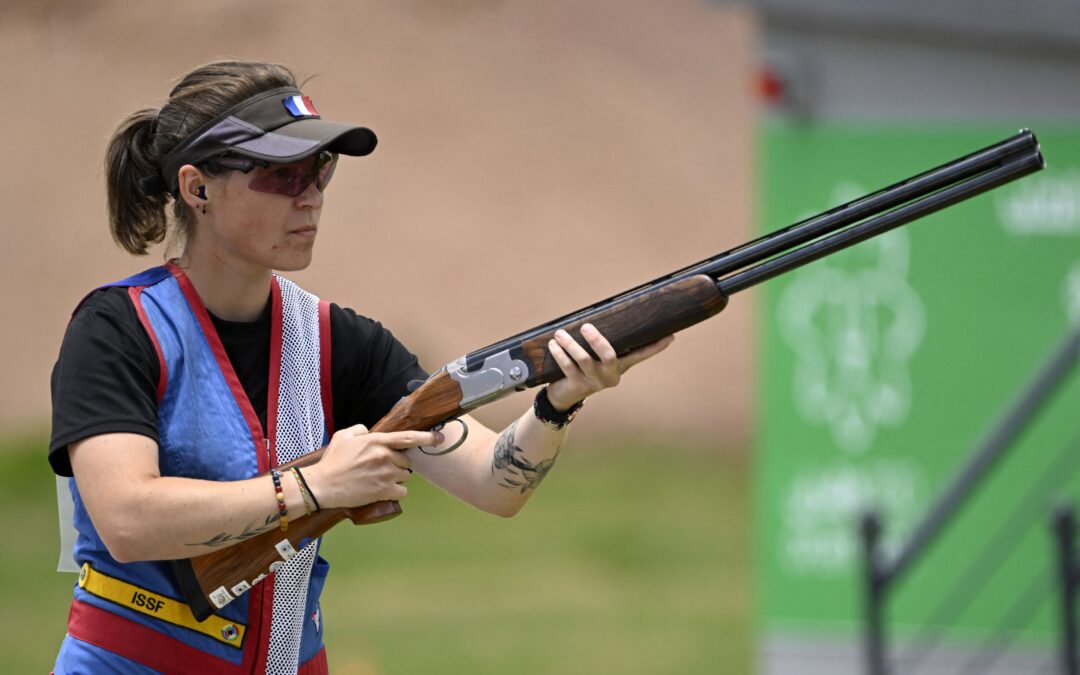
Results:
770 86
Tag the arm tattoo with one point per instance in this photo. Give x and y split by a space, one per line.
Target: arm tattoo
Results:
514 471
250 530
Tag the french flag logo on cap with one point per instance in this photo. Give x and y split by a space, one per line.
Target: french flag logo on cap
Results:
300 106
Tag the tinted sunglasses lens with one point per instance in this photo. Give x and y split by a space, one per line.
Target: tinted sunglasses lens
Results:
292 179
326 169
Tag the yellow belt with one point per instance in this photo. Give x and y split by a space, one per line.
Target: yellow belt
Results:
158 606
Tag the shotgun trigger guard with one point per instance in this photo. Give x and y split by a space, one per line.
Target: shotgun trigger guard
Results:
438 427
499 375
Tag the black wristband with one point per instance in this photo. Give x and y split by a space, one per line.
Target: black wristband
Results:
305 487
546 413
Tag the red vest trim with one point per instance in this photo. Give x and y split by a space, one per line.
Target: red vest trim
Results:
156 650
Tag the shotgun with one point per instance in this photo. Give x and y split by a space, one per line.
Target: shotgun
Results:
628 320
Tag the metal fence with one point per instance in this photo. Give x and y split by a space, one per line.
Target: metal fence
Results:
882 571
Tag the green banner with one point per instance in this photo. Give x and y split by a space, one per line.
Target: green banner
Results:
882 367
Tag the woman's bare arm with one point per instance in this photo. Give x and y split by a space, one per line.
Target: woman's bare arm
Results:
498 472
142 515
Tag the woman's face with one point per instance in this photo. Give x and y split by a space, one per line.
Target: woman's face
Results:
257 229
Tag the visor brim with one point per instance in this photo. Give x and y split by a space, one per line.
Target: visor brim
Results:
305 137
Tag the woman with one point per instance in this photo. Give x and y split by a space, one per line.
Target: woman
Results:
179 388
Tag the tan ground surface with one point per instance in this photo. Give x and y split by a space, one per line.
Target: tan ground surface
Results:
534 157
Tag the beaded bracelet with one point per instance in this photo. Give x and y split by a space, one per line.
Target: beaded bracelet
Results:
308 508
283 510
306 488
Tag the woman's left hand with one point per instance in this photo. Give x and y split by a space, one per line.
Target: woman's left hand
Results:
585 375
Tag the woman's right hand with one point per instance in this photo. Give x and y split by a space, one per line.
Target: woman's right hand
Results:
360 467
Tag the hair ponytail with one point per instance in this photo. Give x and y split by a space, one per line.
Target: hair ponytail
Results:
137 220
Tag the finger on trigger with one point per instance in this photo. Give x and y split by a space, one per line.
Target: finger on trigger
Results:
402 440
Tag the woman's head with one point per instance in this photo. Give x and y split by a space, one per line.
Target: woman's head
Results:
137 219
239 109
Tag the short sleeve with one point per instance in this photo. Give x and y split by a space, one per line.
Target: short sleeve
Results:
371 369
105 379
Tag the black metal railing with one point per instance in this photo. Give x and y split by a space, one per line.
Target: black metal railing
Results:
974 577
882 571
1064 524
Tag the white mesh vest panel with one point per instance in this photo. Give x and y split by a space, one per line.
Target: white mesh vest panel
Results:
299 431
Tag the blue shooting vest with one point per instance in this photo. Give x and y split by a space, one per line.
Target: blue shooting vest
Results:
208 429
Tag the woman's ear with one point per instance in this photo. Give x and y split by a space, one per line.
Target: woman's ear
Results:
192 185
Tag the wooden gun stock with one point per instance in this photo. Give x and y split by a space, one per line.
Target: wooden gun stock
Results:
215 579
633 322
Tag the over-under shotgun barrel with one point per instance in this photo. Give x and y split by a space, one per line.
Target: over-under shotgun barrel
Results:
1014 167
1023 144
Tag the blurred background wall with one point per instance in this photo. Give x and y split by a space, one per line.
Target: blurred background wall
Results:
922 61
533 158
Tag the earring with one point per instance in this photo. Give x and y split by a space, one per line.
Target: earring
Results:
201 194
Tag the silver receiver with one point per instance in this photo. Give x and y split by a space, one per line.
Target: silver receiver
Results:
499 375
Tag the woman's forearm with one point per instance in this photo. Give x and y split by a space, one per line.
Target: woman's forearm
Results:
495 472
141 515
171 518
521 457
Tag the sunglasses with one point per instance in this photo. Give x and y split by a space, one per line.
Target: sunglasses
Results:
283 179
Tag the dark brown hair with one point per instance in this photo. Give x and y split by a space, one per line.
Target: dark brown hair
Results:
140 142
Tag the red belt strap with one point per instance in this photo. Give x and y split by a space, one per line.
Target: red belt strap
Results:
156 650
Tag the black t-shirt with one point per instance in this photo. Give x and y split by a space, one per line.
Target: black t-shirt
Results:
105 380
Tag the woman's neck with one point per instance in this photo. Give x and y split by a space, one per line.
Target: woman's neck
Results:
229 291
